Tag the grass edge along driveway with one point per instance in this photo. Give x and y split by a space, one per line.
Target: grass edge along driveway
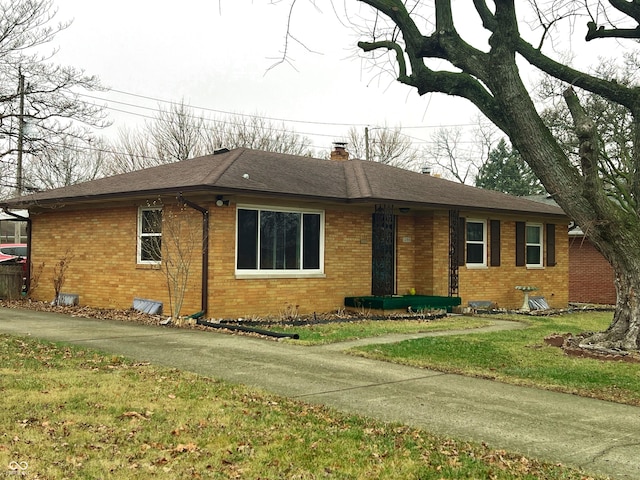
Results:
521 357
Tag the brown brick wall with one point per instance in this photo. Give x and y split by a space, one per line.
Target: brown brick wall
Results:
498 284
103 271
591 278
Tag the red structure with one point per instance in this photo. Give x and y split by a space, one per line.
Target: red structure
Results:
591 278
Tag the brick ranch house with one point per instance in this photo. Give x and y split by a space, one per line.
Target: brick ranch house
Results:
284 230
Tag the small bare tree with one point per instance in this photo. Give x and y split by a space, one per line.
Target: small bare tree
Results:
60 273
174 249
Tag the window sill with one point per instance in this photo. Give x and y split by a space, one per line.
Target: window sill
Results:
476 267
147 266
268 276
535 267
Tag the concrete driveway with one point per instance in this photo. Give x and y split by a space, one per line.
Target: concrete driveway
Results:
600 437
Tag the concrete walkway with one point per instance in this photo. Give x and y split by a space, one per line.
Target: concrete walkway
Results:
600 437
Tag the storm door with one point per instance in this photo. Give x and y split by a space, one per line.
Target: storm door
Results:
383 251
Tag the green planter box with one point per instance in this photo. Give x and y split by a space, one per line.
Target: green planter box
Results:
403 302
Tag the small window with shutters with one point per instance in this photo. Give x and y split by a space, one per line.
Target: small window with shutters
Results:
529 245
476 243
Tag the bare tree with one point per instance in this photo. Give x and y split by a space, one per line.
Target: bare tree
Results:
460 154
38 99
174 249
384 145
178 133
252 131
72 161
433 56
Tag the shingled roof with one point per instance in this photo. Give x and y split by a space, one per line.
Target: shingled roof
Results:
258 173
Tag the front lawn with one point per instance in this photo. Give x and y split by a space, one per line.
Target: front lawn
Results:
71 412
521 357
340 331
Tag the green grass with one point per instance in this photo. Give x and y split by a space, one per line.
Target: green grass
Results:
76 413
352 330
521 357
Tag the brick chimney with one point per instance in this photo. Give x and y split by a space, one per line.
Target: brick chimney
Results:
339 152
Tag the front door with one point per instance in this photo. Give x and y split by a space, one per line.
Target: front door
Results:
383 251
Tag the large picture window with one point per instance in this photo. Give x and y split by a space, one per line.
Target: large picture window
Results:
534 245
149 235
476 243
279 241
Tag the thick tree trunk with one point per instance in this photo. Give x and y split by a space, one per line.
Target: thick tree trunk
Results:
624 331
491 81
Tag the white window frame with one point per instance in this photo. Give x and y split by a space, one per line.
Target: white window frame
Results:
141 235
272 273
540 245
475 242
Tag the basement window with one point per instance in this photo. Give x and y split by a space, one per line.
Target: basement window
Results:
279 242
149 235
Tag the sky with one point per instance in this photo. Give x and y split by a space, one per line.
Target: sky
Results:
221 56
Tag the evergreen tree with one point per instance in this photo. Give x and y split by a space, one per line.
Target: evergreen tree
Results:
506 171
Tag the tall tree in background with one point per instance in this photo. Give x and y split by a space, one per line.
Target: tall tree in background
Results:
384 145
252 131
72 161
488 75
178 133
39 108
615 122
505 171
460 156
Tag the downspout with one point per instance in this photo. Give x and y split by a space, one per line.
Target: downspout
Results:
205 249
28 220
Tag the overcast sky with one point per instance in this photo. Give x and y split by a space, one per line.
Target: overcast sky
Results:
220 54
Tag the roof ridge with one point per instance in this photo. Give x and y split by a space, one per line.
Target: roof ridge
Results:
220 168
357 173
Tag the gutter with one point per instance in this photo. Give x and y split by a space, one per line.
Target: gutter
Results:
205 249
28 220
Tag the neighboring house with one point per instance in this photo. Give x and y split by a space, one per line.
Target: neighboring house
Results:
285 231
591 276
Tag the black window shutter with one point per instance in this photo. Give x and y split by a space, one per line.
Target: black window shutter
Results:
520 244
551 244
462 240
495 243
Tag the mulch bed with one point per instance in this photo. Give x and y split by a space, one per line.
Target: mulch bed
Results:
570 344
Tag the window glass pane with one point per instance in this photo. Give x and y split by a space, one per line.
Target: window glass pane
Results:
475 253
533 255
279 240
247 239
151 221
533 234
151 249
311 239
475 232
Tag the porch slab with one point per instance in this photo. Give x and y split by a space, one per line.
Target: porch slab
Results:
403 302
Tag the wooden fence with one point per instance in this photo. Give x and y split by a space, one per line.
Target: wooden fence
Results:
10 281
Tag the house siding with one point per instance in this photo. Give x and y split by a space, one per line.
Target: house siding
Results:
497 284
104 273
591 277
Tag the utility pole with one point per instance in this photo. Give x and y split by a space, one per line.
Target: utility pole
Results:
19 185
